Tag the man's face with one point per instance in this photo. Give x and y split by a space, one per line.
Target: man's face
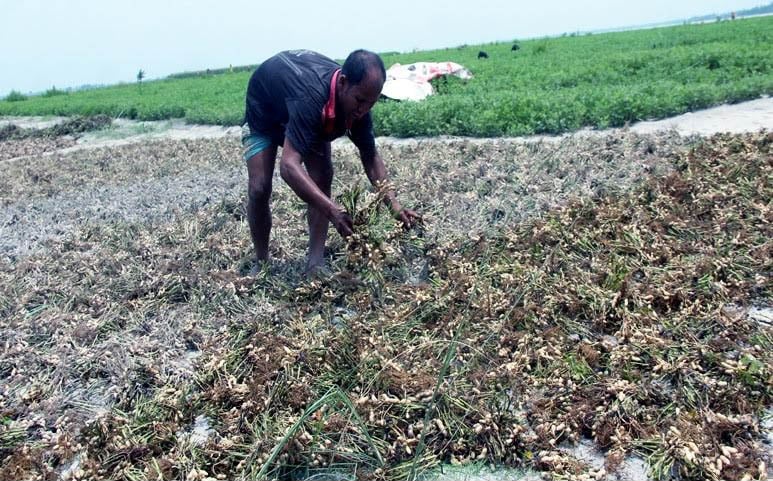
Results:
356 100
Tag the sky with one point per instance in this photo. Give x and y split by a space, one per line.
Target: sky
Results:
70 43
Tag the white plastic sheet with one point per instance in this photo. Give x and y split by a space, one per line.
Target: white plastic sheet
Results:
411 82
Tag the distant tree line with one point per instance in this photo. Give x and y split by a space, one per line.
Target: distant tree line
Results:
761 10
212 71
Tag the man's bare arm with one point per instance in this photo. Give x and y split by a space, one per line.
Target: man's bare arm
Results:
376 172
292 171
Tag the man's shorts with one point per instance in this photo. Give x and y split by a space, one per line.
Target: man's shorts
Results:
253 142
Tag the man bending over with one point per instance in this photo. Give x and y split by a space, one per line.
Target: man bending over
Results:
302 101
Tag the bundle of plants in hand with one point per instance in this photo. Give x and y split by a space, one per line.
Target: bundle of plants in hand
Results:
380 243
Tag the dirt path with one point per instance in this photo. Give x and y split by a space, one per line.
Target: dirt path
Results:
736 118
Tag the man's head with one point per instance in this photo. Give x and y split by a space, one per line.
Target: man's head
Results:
359 85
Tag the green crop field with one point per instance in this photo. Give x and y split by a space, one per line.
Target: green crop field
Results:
550 85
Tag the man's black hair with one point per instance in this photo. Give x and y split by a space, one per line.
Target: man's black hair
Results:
359 62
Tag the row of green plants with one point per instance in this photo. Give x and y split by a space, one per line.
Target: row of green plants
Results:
549 85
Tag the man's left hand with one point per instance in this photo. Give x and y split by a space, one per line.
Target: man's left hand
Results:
408 217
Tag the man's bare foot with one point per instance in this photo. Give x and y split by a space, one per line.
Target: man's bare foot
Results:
260 268
316 268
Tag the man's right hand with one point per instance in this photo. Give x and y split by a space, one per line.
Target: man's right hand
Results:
342 221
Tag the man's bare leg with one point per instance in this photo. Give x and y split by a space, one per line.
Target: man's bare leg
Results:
320 169
260 169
